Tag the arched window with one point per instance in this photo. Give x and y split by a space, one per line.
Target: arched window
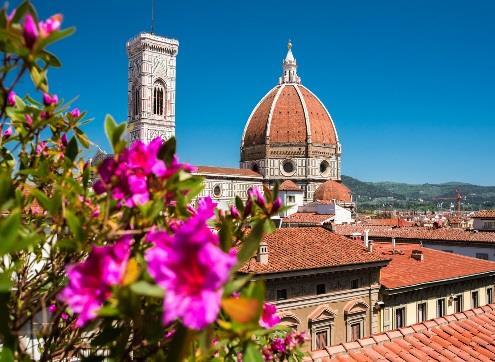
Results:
137 101
158 99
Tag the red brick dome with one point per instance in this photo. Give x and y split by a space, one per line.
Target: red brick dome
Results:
333 190
289 114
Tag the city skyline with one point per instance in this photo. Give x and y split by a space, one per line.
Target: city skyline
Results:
408 85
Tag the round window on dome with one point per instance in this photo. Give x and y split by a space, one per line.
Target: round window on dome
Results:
288 166
217 191
324 167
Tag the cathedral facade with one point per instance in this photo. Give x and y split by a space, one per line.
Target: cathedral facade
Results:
289 135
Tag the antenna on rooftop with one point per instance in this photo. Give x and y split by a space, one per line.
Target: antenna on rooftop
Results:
152 16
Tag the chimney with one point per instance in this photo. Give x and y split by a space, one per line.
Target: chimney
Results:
370 246
417 255
262 256
393 243
366 240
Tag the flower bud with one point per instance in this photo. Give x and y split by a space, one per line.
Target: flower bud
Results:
11 99
277 204
75 113
30 31
29 120
49 100
7 133
234 212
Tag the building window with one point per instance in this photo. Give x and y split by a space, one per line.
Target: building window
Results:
355 331
400 317
281 294
291 199
458 303
137 101
421 312
440 308
489 296
288 166
321 339
483 256
320 289
324 165
354 283
474 299
158 99
217 191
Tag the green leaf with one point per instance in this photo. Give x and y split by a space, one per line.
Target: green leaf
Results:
5 282
9 231
44 201
252 353
149 290
252 242
72 149
74 224
22 9
236 284
108 311
53 37
38 78
225 235
167 151
114 133
51 59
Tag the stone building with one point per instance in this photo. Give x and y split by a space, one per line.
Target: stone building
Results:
484 220
321 282
290 135
421 283
151 87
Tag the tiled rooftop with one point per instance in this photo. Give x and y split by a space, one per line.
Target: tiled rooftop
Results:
468 336
305 248
396 221
403 270
419 233
484 214
307 218
212 170
289 185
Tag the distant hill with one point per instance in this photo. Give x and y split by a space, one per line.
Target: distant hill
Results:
377 195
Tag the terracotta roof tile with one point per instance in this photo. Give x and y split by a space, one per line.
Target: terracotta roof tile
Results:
435 266
289 185
307 218
212 170
433 343
419 233
305 248
484 214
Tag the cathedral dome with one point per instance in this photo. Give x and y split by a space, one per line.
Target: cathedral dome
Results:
333 191
289 114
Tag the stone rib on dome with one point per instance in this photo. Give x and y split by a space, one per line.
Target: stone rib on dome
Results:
290 114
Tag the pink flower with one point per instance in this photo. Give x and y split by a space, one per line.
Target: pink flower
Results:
127 176
277 204
11 99
52 308
30 31
63 140
90 281
8 132
278 345
49 100
267 354
64 316
256 195
50 25
269 318
75 113
191 268
41 148
29 120
10 17
234 212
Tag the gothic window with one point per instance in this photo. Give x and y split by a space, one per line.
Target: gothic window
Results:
159 99
137 101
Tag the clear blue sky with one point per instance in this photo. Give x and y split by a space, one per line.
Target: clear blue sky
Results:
410 84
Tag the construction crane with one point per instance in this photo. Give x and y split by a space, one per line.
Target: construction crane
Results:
458 199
